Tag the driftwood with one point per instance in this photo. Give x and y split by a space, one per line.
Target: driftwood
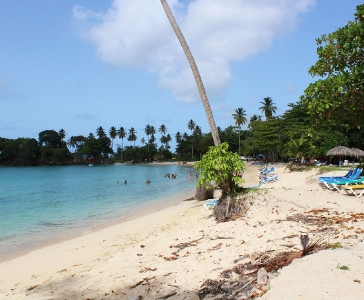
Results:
241 281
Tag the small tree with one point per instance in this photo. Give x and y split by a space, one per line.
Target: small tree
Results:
221 166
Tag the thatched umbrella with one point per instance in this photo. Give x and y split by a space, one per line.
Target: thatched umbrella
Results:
339 151
357 152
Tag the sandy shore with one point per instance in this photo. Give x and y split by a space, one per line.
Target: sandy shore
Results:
170 253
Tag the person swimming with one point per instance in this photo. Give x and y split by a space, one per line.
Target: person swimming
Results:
125 182
148 181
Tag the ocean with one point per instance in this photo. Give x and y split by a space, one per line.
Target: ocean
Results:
43 205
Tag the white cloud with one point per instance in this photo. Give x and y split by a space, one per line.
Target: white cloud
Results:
136 34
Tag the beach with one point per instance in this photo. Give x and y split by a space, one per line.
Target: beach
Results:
170 253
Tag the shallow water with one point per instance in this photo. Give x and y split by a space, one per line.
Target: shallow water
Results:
40 205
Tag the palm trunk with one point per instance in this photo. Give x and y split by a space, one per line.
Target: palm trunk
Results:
196 73
239 140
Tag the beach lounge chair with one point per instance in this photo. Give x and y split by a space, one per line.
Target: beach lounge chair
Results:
357 190
333 177
355 175
211 204
338 185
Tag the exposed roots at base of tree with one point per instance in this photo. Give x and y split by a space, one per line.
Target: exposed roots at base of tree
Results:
237 208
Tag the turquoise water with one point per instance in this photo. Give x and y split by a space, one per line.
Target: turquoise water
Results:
40 205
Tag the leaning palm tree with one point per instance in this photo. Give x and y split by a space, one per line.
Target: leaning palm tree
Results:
240 119
195 72
268 107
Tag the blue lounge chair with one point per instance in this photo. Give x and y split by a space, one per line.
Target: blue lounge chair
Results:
211 204
355 175
333 177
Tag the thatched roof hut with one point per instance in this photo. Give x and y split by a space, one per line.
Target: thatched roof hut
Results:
339 151
357 152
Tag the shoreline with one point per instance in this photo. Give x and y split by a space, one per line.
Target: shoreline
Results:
140 212
175 250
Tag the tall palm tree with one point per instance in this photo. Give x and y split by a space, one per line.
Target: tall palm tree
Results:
132 135
121 135
100 132
167 140
255 118
162 130
268 107
197 131
240 119
195 72
152 139
142 141
113 133
191 126
147 132
178 137
152 133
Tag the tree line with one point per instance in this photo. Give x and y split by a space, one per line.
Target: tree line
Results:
295 134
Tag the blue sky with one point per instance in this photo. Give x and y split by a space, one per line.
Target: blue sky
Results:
78 65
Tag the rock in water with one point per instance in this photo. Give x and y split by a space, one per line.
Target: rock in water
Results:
262 276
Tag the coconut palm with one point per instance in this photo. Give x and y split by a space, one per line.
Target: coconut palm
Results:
268 107
100 132
147 132
191 126
143 141
240 119
255 118
152 139
195 72
113 133
167 140
162 130
178 137
132 135
121 135
152 132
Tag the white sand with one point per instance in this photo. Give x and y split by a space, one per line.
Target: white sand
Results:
143 253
